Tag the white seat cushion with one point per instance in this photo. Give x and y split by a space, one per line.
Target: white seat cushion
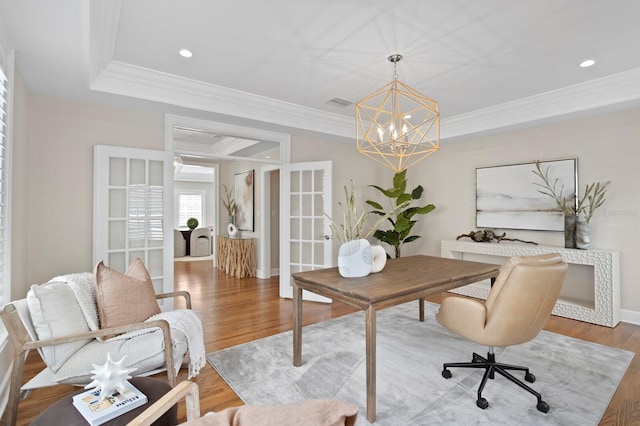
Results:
144 353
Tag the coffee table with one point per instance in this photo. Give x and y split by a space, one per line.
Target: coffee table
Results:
402 280
64 413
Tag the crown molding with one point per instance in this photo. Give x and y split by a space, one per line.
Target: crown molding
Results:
104 19
129 80
569 101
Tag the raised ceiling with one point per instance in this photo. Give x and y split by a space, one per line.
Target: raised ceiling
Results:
490 63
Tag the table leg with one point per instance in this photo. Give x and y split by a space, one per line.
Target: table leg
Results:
421 309
371 363
297 325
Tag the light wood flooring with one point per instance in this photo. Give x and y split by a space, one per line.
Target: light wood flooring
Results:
236 311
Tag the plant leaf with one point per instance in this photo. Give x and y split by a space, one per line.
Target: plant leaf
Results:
417 192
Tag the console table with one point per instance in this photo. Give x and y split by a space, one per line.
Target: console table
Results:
236 256
606 274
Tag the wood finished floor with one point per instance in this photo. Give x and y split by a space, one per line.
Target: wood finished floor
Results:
236 311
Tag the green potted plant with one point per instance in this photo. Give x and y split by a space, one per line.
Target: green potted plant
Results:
192 223
401 220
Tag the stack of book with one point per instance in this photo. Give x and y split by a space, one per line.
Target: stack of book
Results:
97 412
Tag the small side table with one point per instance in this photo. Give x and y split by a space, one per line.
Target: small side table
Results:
186 233
64 413
236 256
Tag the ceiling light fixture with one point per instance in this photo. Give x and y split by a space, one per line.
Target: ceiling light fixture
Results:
185 53
587 63
396 125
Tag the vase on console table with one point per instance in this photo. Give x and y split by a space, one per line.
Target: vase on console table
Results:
570 222
583 235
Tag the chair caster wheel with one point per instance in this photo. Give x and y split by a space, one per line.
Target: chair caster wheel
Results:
482 403
446 374
530 377
543 406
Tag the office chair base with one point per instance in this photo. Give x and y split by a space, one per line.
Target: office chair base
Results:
491 367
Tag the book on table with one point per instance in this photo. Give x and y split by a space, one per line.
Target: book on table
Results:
97 412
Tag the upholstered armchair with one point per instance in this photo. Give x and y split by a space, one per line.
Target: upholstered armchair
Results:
179 244
75 320
517 308
201 242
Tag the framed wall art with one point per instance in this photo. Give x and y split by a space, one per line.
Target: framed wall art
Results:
507 197
244 197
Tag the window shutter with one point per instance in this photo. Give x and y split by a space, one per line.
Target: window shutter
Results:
190 205
4 192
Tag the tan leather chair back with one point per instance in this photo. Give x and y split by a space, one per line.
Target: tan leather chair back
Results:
522 298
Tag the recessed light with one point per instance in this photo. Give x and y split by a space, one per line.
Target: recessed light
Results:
185 53
587 63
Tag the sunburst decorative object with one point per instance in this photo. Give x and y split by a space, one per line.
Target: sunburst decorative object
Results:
396 125
110 376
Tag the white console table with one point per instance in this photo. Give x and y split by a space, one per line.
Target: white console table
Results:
606 266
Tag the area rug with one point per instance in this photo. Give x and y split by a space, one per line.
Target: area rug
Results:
576 378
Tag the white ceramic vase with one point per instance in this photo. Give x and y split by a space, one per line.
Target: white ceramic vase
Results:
232 230
378 258
583 235
354 259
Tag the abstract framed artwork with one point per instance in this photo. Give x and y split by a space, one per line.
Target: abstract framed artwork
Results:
507 197
244 194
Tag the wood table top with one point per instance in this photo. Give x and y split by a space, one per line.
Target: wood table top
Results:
410 277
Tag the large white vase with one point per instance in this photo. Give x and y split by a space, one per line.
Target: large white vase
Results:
354 259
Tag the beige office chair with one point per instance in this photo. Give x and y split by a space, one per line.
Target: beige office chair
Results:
517 308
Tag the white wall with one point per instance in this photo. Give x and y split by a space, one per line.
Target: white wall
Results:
607 147
62 134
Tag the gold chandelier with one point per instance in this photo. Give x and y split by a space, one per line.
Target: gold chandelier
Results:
396 125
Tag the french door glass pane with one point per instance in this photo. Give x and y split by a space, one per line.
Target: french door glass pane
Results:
117 171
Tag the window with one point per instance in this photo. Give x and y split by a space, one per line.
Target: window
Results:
189 204
4 189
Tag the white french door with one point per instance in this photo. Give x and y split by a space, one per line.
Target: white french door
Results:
133 210
305 194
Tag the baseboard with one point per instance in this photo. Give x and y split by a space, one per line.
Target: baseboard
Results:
632 317
260 273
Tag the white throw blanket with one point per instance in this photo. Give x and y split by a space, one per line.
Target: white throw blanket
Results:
188 322
82 285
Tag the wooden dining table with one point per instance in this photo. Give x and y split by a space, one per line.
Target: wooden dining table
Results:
402 280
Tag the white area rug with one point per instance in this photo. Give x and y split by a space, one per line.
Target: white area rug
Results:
576 378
